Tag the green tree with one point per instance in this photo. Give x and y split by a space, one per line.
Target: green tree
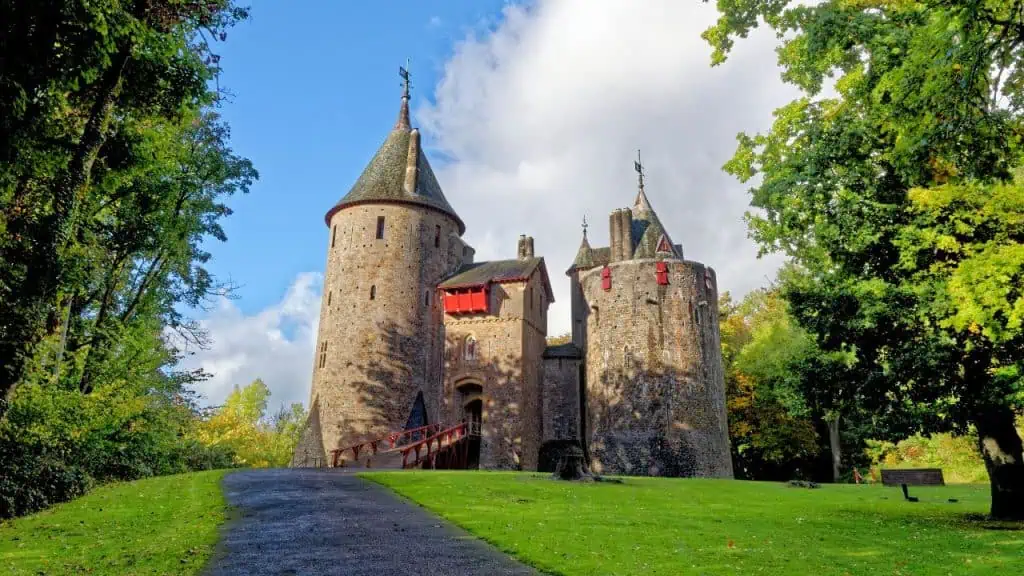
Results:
242 425
896 199
770 426
76 76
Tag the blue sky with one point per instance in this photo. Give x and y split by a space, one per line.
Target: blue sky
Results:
315 89
532 114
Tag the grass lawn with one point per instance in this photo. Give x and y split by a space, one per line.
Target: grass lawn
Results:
698 526
165 525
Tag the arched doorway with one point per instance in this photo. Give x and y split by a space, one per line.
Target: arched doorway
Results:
471 396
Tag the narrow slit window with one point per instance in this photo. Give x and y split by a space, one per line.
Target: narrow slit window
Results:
334 234
329 293
323 354
373 292
380 227
437 236
426 299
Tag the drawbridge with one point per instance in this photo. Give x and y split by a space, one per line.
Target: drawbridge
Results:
435 446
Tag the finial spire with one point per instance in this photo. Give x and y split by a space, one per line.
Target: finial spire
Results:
641 204
403 114
639 170
584 226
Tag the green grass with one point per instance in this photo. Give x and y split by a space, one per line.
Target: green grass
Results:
698 526
165 525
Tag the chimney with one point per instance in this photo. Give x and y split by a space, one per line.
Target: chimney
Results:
626 240
529 246
614 235
521 248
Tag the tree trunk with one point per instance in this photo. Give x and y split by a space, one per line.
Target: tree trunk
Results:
834 446
1002 450
571 465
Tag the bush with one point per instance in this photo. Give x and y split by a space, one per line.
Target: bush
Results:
957 456
31 483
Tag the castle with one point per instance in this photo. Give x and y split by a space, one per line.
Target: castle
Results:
413 331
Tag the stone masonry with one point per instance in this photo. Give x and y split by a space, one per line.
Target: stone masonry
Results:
413 331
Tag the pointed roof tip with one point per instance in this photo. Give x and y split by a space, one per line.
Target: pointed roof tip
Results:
642 204
399 172
403 122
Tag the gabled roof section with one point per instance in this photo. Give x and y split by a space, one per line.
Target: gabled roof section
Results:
499 271
399 173
652 240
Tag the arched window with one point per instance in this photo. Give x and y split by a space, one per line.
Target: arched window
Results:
470 352
373 292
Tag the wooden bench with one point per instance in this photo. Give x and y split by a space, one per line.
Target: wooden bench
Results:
904 477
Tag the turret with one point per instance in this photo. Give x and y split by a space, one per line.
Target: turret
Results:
391 239
647 321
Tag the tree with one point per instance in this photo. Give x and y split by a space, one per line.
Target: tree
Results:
770 425
75 74
896 200
242 425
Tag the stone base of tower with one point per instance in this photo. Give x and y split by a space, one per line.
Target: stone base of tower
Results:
692 453
309 452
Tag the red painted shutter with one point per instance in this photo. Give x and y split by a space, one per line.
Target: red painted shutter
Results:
606 278
661 271
479 300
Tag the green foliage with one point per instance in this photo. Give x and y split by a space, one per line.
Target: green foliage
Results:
896 201
166 525
114 172
770 425
243 427
956 455
702 526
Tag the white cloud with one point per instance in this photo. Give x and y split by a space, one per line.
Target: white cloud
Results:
276 344
542 115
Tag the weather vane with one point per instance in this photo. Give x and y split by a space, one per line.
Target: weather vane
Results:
584 225
404 73
639 169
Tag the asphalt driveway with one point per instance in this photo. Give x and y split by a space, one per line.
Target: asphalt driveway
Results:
308 521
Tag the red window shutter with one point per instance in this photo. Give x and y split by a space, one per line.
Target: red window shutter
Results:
606 278
451 303
465 301
479 300
661 270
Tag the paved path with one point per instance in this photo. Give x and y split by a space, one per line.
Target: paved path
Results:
306 521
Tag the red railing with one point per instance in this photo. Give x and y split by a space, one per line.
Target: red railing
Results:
394 440
452 435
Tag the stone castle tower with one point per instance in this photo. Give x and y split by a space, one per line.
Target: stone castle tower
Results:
646 321
391 239
413 331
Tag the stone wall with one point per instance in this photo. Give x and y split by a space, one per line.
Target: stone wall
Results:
655 388
380 335
509 344
561 399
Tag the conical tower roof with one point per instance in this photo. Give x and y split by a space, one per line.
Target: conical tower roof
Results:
399 173
584 256
652 240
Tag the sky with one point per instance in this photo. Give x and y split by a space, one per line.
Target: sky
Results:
532 114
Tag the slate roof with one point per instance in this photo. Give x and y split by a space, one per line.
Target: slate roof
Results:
383 179
601 256
516 270
648 231
584 257
567 350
